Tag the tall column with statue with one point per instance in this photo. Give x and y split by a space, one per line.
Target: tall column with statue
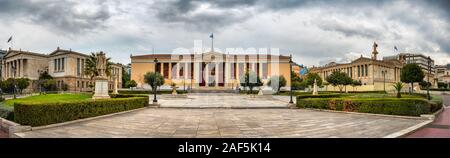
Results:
101 80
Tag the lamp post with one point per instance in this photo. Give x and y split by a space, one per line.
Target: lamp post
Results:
290 78
384 79
428 78
155 101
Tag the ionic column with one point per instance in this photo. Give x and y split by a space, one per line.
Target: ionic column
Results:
217 74
206 75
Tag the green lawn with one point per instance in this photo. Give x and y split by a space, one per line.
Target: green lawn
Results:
49 98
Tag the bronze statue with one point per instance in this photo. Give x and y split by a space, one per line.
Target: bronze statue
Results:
375 45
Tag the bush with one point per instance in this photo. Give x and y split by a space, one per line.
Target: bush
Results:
39 114
6 112
389 106
332 95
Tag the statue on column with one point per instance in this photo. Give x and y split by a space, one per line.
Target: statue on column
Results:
101 64
315 92
101 81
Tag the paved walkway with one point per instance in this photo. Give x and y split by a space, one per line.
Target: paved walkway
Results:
440 128
253 123
222 100
3 134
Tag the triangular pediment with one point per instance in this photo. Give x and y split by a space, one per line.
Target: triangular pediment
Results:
361 59
211 56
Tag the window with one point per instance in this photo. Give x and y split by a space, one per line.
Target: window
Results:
82 84
78 84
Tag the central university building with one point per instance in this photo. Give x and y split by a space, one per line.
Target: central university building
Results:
209 70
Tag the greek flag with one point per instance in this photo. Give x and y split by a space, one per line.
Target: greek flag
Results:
9 40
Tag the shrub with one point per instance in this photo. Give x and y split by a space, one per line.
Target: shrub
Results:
6 112
389 106
331 95
38 114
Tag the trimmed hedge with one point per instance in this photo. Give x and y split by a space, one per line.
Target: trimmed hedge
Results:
389 106
6 112
149 92
331 95
50 113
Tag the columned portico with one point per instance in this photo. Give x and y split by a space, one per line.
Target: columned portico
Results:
211 69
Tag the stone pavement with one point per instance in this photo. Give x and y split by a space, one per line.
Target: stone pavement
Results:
253 123
222 100
440 128
3 134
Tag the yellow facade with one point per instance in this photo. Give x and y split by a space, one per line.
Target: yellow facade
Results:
209 70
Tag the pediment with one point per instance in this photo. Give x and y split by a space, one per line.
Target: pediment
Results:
211 56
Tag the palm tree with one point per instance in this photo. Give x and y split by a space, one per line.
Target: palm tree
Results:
398 86
90 68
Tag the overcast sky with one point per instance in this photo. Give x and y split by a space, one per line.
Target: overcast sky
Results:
313 31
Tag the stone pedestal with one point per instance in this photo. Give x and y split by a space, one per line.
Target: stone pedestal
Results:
101 88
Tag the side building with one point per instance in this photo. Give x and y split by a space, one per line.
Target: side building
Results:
65 66
375 75
426 63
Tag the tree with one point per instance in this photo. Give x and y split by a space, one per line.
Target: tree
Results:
46 82
49 85
424 84
339 79
411 73
8 85
125 77
131 83
442 85
154 79
356 83
310 77
398 87
22 83
276 82
90 68
296 81
251 80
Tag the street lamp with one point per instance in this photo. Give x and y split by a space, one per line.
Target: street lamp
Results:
290 78
428 84
155 101
384 79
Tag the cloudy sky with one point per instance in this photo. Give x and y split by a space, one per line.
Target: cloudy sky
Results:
313 31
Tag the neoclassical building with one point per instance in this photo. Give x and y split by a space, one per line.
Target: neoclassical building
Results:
374 74
210 70
65 66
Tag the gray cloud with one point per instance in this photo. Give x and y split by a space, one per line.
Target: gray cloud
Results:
60 15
